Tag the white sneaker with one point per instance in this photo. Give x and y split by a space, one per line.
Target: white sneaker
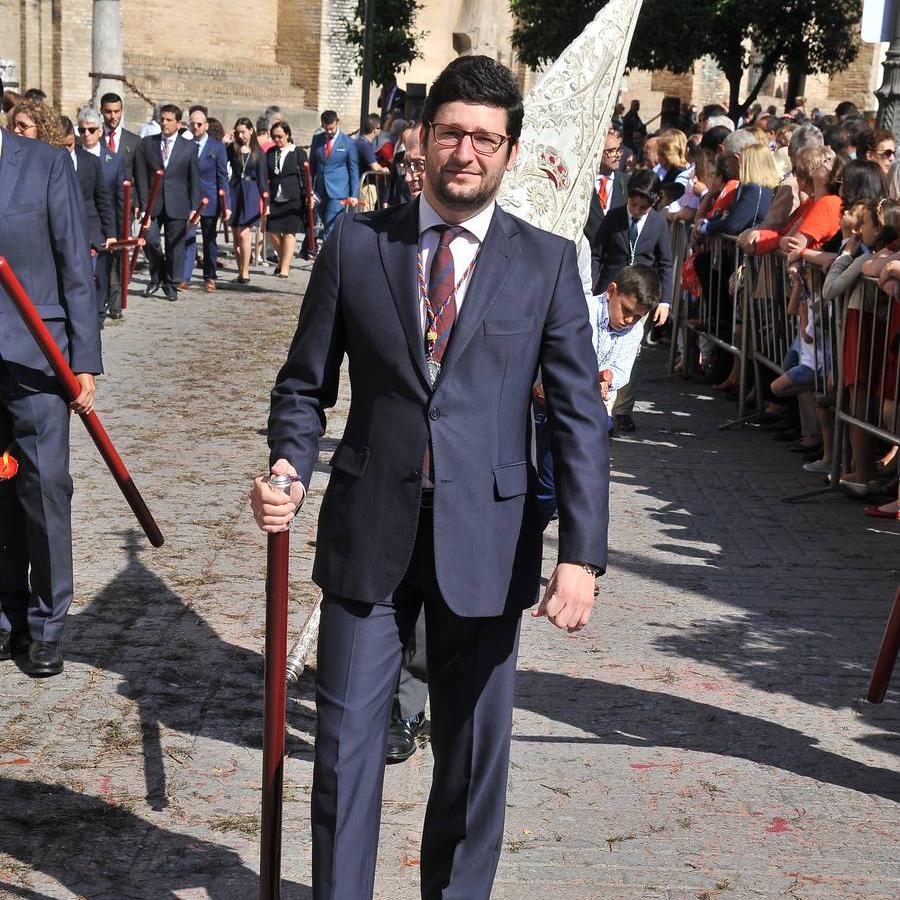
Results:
817 467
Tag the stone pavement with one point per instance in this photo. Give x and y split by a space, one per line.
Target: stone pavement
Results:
702 738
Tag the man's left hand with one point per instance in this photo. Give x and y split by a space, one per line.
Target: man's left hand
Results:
84 402
569 598
194 218
352 201
661 316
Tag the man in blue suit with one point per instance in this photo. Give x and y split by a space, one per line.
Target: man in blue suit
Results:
212 162
431 500
112 170
43 237
334 167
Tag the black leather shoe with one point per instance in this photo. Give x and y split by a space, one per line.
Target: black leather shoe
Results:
44 659
624 423
402 737
115 313
13 644
152 288
170 291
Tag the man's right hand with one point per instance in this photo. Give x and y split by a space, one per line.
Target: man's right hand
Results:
273 510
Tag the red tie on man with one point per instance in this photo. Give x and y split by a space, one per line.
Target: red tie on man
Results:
603 193
112 142
328 145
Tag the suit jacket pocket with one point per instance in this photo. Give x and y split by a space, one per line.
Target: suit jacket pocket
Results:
350 459
25 208
51 310
509 326
511 480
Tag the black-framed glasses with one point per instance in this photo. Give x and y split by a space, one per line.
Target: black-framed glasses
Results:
88 129
887 154
197 124
612 151
413 167
23 126
487 143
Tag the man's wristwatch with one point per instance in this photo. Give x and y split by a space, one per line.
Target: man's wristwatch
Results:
594 570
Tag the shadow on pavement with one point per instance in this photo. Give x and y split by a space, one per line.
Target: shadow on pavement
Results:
103 851
627 716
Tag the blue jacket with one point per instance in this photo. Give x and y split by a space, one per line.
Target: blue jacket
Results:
98 201
42 236
213 164
113 168
524 308
750 207
336 177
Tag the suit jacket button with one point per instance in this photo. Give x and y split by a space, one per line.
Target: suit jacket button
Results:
434 415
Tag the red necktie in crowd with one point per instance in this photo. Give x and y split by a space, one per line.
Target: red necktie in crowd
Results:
604 191
112 142
328 144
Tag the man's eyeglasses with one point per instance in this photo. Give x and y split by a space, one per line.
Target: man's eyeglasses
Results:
413 167
487 143
23 126
88 129
197 124
613 151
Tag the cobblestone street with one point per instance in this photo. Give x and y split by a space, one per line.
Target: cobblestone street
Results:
704 737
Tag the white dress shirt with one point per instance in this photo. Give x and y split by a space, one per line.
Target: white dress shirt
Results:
74 157
167 155
118 136
610 180
463 247
95 150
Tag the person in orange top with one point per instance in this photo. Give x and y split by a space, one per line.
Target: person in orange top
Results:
818 218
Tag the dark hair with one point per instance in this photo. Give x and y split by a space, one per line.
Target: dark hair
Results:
329 117
642 283
854 128
826 121
35 94
837 138
110 97
199 107
66 124
845 109
216 129
861 180
254 141
645 184
713 109
478 79
869 139
284 127
887 234
373 123
171 108
773 123
262 123
714 137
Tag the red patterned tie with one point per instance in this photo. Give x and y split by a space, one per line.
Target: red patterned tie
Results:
328 145
112 142
442 302
604 191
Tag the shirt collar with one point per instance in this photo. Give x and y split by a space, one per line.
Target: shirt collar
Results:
95 149
202 142
478 225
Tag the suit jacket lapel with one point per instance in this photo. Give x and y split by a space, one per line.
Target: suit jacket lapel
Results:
495 260
9 168
398 245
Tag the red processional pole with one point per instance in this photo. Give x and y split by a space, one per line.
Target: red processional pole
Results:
277 564
145 221
222 214
72 389
310 210
126 234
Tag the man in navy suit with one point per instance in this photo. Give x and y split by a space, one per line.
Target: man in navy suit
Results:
176 203
610 187
112 170
334 167
213 166
431 499
42 236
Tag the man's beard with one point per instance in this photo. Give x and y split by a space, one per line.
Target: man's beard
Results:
473 198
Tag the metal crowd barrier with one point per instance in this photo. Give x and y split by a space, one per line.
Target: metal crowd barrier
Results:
372 184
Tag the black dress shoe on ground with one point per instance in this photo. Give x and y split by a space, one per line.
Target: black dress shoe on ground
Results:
402 737
624 423
151 288
115 313
44 659
13 644
171 293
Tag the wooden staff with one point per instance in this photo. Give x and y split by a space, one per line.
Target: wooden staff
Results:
222 214
126 234
277 565
887 655
71 389
310 210
145 221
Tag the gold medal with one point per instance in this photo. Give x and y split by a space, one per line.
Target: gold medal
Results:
432 336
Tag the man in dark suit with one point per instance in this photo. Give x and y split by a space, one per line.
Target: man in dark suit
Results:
119 140
176 203
431 498
213 167
42 236
334 167
610 187
634 233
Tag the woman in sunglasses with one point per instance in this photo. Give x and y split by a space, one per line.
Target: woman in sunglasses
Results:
30 119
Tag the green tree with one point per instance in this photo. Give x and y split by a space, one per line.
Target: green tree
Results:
805 36
395 39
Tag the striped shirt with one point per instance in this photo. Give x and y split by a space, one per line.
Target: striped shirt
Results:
616 350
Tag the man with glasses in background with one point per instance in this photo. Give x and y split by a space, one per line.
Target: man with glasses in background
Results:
213 165
610 187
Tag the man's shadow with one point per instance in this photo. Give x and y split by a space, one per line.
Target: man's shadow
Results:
627 716
174 667
59 832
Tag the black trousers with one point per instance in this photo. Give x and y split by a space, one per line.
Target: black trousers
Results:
168 267
36 585
471 675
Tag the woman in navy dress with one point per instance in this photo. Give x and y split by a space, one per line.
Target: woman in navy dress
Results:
249 191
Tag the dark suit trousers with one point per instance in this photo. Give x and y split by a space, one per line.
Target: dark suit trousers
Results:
208 228
35 512
168 266
101 280
412 687
471 675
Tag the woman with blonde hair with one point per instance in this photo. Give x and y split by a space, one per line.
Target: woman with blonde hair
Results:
31 119
758 179
672 147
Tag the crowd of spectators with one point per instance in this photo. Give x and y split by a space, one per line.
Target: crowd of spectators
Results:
822 193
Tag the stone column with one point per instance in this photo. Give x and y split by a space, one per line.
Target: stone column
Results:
106 45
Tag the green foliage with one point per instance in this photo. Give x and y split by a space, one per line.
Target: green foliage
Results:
803 35
395 39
